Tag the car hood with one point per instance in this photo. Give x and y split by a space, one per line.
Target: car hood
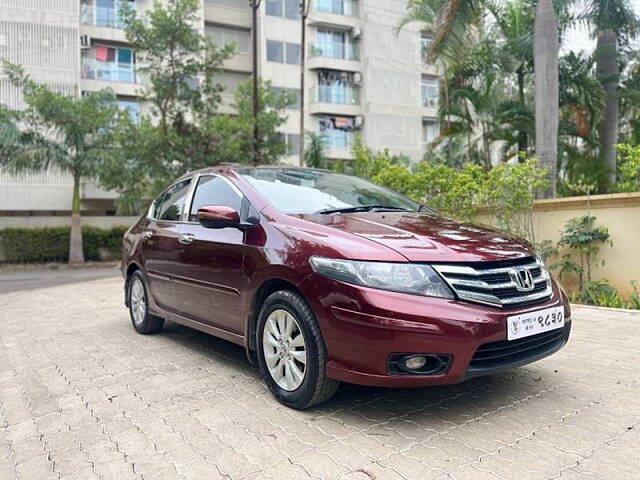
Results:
423 237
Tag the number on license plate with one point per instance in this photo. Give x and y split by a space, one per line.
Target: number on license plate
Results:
532 323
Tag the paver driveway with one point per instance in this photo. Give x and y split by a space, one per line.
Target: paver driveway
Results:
83 396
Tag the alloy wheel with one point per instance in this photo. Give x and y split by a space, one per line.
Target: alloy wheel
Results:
138 302
284 349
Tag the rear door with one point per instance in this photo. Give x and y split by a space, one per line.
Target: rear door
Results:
161 248
211 276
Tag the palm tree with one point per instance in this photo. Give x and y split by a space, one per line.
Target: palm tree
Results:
515 20
454 22
615 25
18 147
72 134
315 151
545 58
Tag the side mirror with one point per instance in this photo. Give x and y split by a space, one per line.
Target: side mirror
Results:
218 217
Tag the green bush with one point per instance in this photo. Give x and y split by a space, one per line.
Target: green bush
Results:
51 244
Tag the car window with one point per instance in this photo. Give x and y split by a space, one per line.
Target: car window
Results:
213 191
173 202
157 206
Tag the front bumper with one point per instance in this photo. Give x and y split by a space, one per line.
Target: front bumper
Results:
362 327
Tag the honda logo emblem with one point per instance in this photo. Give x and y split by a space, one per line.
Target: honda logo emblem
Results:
522 279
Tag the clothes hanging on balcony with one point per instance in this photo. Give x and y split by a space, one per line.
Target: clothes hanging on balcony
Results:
102 54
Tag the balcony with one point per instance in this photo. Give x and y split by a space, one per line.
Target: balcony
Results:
348 8
100 16
334 50
342 95
337 139
109 71
335 100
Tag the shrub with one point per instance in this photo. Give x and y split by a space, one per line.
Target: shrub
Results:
507 191
581 234
628 169
601 294
51 244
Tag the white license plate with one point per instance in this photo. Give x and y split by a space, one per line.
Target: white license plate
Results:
532 323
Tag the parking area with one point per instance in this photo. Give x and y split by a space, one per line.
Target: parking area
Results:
82 396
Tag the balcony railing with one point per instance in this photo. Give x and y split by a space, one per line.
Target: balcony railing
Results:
100 16
336 138
344 51
338 7
342 95
109 71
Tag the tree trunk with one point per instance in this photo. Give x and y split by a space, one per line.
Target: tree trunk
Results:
76 254
608 75
523 141
545 56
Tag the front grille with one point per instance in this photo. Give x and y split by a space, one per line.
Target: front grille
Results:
492 283
504 353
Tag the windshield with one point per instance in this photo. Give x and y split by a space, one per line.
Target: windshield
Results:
293 190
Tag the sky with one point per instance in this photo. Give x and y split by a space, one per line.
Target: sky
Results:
578 38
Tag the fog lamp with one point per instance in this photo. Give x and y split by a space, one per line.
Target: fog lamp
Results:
415 363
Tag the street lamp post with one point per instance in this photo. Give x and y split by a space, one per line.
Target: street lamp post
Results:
255 5
304 12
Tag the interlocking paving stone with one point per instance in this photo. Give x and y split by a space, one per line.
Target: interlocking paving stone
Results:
82 396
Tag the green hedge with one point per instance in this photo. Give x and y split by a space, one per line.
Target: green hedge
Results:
51 244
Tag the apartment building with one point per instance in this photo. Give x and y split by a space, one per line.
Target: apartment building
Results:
363 76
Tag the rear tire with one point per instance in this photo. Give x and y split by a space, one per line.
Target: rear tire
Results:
291 352
138 300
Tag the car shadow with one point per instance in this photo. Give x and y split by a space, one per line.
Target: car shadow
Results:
366 406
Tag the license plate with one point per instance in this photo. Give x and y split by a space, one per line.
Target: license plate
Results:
532 323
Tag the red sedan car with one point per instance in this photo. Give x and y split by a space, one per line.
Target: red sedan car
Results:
325 277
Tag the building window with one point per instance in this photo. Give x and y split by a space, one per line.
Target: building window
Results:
275 51
337 131
131 106
293 143
338 7
230 3
291 91
333 44
429 91
283 52
3 40
430 130
292 53
284 8
103 13
336 87
425 44
223 36
109 64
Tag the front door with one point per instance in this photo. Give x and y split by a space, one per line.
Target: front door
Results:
161 248
211 276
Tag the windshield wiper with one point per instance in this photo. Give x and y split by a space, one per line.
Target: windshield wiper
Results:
363 208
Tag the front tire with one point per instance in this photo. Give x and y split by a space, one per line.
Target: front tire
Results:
291 352
141 319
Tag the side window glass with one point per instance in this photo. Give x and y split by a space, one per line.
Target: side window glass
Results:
157 206
173 202
213 191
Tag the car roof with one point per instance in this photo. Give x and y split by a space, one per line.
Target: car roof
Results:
234 167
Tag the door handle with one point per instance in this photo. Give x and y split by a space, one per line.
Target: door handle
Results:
186 238
147 234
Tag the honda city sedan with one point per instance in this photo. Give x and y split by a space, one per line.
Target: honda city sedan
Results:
326 278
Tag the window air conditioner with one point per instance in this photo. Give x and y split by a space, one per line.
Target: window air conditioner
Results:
85 41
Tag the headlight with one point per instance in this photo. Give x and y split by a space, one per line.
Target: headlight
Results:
396 277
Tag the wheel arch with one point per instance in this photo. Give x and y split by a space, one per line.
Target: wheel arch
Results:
265 289
131 268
